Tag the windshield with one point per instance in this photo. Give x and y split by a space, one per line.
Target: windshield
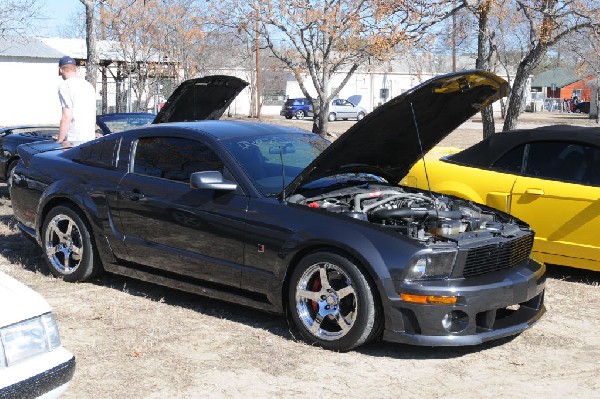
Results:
119 122
261 158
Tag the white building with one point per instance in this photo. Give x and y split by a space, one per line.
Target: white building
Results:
29 80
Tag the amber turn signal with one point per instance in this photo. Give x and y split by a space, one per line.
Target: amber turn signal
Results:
429 299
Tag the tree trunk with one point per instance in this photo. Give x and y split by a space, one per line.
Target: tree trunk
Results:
91 67
597 99
517 92
484 53
320 121
487 119
104 91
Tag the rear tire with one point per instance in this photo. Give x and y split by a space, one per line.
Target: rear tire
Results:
9 176
360 116
331 303
300 114
68 245
331 117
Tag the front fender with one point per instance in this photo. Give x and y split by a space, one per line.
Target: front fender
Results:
458 189
377 250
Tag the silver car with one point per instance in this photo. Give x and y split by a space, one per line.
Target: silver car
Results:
344 109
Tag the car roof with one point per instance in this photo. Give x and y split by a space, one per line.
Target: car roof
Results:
486 152
227 129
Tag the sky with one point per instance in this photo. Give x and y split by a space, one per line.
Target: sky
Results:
55 17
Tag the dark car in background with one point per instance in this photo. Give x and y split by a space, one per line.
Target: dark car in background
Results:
117 122
296 108
12 137
582 107
280 219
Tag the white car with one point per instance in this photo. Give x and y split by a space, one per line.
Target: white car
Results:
344 109
33 363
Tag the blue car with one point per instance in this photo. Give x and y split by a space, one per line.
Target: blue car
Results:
297 107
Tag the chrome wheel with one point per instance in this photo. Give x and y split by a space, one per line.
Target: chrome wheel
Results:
331 117
68 244
63 244
332 302
10 177
326 301
300 114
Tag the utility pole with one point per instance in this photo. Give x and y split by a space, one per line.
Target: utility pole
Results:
257 55
454 39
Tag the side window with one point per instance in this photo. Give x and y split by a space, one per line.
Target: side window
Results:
512 161
571 162
173 158
101 153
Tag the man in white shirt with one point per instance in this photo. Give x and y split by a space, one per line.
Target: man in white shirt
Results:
78 101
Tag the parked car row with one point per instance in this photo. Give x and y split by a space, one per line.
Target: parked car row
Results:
339 109
280 219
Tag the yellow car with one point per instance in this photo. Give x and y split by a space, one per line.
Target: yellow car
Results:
549 177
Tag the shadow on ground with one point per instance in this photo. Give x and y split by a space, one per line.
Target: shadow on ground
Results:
573 275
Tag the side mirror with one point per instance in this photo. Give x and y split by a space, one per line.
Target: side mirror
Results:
211 180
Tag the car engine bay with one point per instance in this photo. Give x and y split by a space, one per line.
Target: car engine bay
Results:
426 217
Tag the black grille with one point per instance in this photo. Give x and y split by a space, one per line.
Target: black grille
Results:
504 255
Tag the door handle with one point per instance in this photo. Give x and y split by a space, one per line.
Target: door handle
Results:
133 195
534 191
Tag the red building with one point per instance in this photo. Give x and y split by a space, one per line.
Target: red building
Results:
562 83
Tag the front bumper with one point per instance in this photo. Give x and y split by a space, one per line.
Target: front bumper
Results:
489 307
44 376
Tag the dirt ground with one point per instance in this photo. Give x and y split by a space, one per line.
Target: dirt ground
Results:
138 340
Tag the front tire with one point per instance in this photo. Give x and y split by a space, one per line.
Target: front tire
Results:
331 117
331 303
360 116
67 243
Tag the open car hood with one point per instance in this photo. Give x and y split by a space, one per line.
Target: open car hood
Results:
389 140
201 99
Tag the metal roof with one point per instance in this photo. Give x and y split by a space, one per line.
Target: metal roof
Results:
560 77
31 47
53 48
77 48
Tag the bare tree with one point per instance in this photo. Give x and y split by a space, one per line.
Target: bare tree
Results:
157 39
486 50
16 16
91 67
319 39
549 22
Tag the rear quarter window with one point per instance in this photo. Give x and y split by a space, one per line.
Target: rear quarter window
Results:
101 153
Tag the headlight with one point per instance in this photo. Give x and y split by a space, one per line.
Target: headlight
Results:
431 264
28 338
